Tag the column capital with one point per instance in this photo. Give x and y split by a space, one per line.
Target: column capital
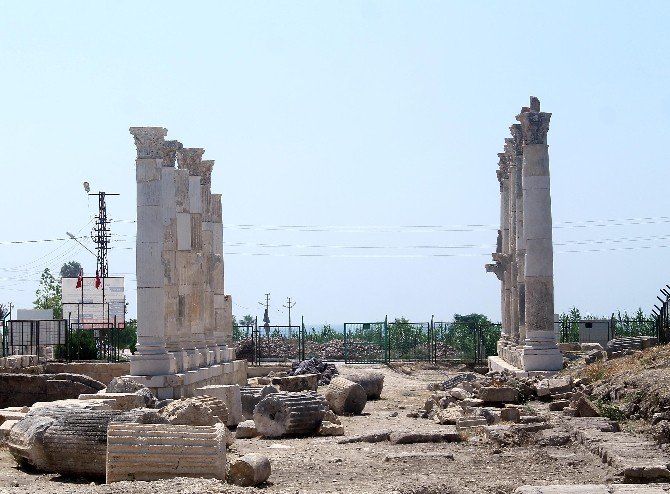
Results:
190 159
149 141
206 172
534 123
503 166
170 149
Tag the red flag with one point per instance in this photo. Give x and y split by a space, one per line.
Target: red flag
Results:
80 279
97 279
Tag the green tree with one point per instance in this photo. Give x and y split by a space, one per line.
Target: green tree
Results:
70 269
128 336
49 294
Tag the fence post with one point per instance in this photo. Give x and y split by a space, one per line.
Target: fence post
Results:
385 339
301 341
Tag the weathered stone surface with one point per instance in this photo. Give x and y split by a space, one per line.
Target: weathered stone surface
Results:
250 469
119 401
372 437
499 395
304 382
557 406
251 396
5 428
331 417
372 382
554 386
124 384
345 397
188 411
217 407
280 414
510 415
27 389
467 423
70 440
450 435
459 393
330 429
449 415
246 430
230 395
151 452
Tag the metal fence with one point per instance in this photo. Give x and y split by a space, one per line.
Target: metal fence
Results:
34 337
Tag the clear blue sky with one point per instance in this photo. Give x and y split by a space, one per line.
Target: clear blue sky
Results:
344 116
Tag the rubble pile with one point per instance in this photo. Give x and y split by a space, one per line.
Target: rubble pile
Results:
466 398
314 366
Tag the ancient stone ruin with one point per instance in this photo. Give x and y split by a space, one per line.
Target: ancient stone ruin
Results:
184 318
524 253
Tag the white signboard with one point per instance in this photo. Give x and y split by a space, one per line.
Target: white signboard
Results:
90 304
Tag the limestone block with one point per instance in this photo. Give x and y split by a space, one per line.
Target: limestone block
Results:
246 430
65 439
188 411
304 382
7 414
280 414
510 415
251 396
118 401
328 428
194 194
150 225
466 423
250 469
229 395
217 406
372 382
345 397
152 452
147 170
149 193
5 428
499 395
184 231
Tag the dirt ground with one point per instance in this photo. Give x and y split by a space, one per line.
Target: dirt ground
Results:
320 464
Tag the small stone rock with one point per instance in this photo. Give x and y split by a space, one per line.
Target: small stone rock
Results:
330 429
246 430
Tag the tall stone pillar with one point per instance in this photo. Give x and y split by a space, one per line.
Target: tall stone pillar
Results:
513 275
220 332
516 148
209 261
190 256
540 351
153 153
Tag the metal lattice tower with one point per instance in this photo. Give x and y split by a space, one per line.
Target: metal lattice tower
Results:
101 235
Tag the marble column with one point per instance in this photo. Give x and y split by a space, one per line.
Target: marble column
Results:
516 150
209 261
190 256
540 351
153 153
220 331
513 274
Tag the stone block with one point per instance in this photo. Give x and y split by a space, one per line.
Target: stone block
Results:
229 395
246 430
328 428
159 451
304 382
249 470
466 423
559 405
118 401
510 415
183 231
499 395
5 427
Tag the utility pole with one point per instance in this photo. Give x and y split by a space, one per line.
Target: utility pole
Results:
266 315
289 306
101 235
